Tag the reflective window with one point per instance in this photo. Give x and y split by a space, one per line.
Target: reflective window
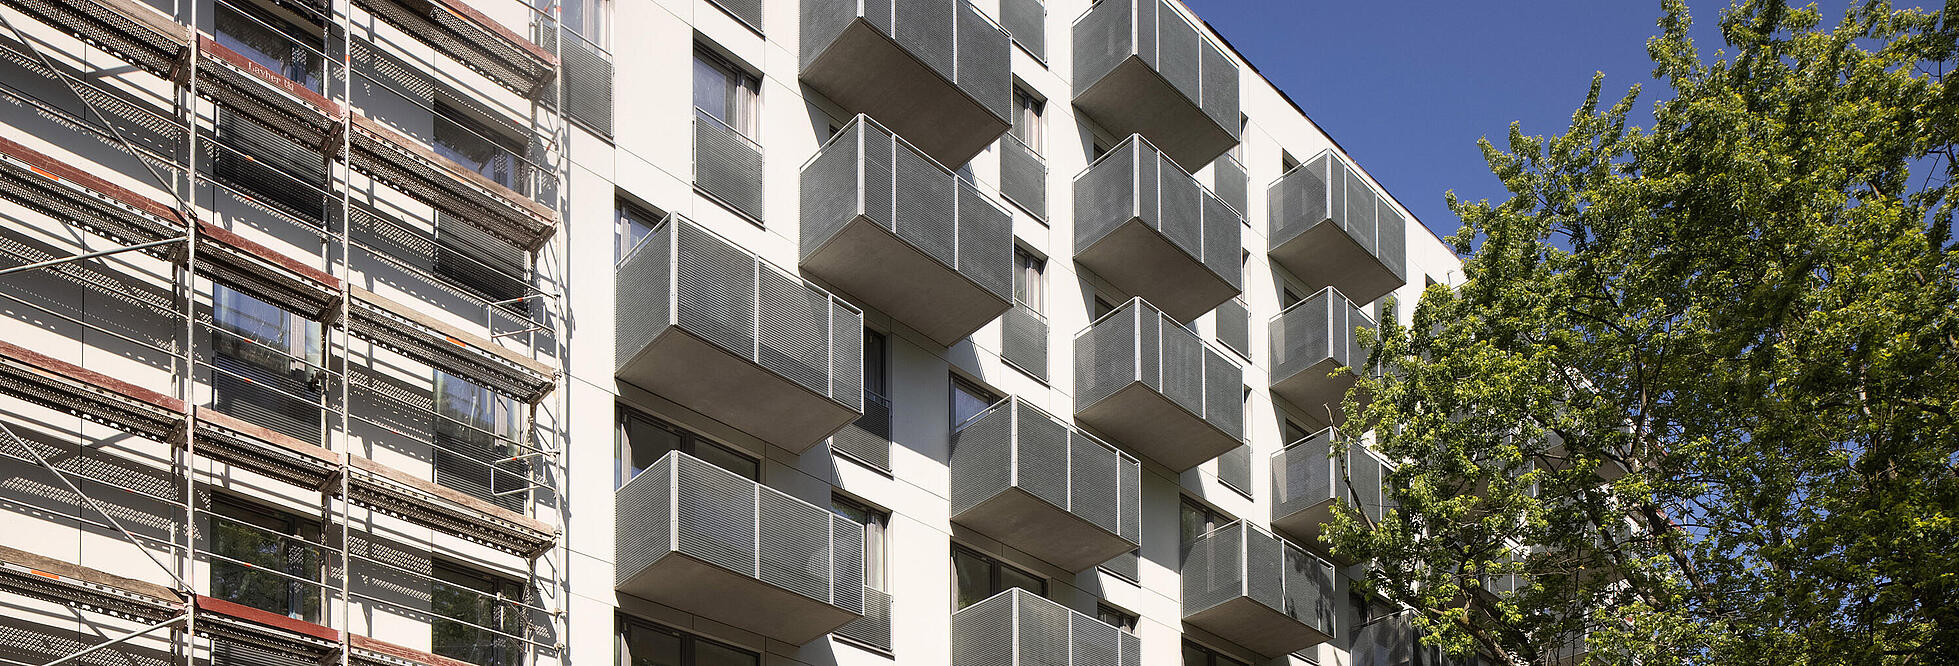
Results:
874 522
474 145
1115 617
271 41
1030 280
477 442
969 400
978 577
265 559
1198 655
725 93
645 644
631 225
1196 520
644 439
475 616
266 364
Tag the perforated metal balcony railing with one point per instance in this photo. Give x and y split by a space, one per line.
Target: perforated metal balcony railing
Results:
1149 229
1229 180
727 165
706 541
1141 67
1331 227
1233 320
1310 342
1023 477
1252 588
1157 389
1024 340
934 71
904 235
1017 627
714 328
1023 177
1318 475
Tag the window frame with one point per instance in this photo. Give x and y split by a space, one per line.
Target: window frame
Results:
279 23
1029 120
688 642
1030 279
742 97
1125 620
955 386
508 150
504 650
1211 517
994 568
877 549
626 216
305 531
690 443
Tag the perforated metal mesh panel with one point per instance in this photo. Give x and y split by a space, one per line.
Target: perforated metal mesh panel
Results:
1041 461
846 579
1106 195
716 285
985 242
1164 40
846 355
1358 219
874 629
1129 486
1222 230
1328 188
983 633
822 21
1026 21
643 294
1220 88
728 166
1300 336
1364 480
1387 641
1043 628
1105 358
1229 181
715 516
1023 174
925 28
1182 355
1235 468
868 439
1024 340
1233 321
830 189
1309 595
1095 643
1303 475
1224 405
749 11
794 330
981 462
1180 215
1393 246
588 79
642 519
1101 40
1214 569
984 54
1265 569
1093 490
1126 565
925 200
795 546
1176 51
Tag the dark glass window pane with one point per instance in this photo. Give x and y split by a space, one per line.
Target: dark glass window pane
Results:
272 43
646 646
255 547
478 148
715 654
975 577
875 376
968 401
634 226
644 443
468 614
1011 578
725 458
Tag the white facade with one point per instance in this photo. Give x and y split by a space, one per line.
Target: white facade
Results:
568 434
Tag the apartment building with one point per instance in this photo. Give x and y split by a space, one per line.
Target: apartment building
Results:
677 332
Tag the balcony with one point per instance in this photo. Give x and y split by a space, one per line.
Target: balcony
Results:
715 329
935 71
1024 341
1028 480
1024 177
1152 231
1316 476
1157 389
1229 180
1255 589
706 541
1330 227
1018 627
886 224
1311 341
1142 68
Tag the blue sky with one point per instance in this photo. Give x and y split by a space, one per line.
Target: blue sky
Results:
1408 87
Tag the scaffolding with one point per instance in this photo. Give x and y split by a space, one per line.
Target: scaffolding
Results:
215 130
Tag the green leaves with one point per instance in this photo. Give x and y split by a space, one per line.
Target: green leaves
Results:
1698 385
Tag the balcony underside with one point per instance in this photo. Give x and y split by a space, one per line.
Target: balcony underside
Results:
888 274
1305 526
865 72
1324 255
1148 424
691 585
699 375
1142 262
1256 627
1039 528
1134 99
1316 390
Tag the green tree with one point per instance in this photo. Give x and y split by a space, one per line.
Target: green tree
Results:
1697 388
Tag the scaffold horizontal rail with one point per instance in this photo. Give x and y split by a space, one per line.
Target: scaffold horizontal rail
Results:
263 450
70 388
248 87
394 492
399 327
128 29
50 579
476 41
407 164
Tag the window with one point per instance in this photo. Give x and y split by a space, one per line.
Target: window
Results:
470 609
1238 149
644 644
1096 150
1288 299
979 577
1294 432
1030 280
266 364
631 225
874 522
472 144
1287 162
725 93
1027 120
265 559
1198 655
1102 307
1115 617
476 438
272 42
877 355
644 439
1197 520
969 400
587 18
